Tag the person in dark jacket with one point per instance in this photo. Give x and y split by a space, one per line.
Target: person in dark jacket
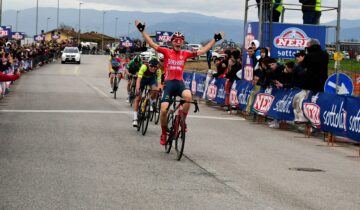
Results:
222 66
316 64
273 73
311 11
266 10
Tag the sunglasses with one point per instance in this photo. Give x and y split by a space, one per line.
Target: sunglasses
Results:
151 66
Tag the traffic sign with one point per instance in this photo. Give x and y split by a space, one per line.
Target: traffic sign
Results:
345 84
338 57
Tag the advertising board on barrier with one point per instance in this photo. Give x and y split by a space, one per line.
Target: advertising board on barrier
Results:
163 36
5 31
126 42
244 90
353 117
39 38
262 103
198 85
18 35
187 76
282 106
216 91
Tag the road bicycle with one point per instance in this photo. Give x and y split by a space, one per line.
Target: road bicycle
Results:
155 114
144 111
176 131
116 82
132 93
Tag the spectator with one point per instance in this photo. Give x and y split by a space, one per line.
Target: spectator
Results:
316 64
287 77
273 73
277 9
299 72
222 66
266 10
311 11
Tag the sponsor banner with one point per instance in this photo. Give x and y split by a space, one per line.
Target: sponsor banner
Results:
39 38
163 36
55 36
251 31
282 106
327 111
5 31
286 39
263 101
126 41
216 91
18 35
352 107
198 84
188 76
243 90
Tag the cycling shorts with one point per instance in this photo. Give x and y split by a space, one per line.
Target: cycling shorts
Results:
148 81
172 88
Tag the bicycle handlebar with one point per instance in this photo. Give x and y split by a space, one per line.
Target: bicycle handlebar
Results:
182 101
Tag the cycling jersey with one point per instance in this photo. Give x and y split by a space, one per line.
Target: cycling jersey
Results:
114 60
145 72
174 62
133 67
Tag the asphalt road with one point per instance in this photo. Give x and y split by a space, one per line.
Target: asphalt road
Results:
65 143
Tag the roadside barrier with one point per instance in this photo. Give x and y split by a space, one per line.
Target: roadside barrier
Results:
334 114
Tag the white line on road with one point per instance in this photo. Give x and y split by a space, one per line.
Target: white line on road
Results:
110 112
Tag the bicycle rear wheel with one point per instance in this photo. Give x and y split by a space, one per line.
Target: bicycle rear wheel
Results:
180 137
132 95
146 117
115 86
170 135
140 115
157 110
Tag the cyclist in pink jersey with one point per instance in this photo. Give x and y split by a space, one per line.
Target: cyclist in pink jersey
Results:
174 62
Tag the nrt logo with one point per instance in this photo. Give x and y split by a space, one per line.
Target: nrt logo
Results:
312 112
263 102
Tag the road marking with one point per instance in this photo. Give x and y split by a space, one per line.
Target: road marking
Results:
110 112
217 118
68 111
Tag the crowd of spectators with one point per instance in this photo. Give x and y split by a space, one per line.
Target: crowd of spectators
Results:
16 58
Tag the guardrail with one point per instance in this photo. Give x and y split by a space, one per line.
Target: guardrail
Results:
336 114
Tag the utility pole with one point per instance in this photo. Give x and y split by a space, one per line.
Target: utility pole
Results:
0 12
116 24
79 22
58 15
37 17
47 24
17 16
102 36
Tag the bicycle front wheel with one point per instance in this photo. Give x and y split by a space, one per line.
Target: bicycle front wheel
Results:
180 137
157 111
132 95
170 136
146 117
115 86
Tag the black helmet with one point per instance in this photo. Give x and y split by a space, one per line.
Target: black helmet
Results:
153 61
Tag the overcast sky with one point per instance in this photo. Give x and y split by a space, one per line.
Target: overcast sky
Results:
233 9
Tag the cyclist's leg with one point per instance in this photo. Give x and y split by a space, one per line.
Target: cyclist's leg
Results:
164 109
186 94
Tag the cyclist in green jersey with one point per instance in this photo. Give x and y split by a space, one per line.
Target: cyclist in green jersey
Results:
149 74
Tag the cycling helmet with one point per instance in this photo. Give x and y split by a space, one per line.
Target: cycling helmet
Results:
137 59
178 37
153 61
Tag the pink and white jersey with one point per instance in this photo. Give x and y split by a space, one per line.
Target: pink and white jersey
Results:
174 62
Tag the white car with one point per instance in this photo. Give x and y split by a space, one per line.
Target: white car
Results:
71 54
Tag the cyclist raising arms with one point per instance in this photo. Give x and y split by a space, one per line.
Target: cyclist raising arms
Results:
174 61
150 75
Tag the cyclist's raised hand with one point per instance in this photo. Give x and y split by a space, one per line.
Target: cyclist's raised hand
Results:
139 25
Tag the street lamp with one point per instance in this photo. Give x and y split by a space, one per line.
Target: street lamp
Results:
17 14
79 22
47 23
116 24
58 12
129 28
102 36
37 17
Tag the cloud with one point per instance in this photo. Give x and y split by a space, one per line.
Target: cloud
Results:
233 9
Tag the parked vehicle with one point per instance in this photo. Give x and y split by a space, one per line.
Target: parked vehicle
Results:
71 54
